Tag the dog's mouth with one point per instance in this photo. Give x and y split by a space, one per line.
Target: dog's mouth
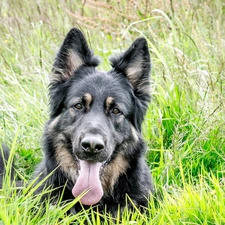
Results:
88 183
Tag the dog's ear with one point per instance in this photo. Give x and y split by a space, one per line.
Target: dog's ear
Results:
135 65
73 53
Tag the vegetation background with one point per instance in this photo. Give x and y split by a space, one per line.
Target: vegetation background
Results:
185 124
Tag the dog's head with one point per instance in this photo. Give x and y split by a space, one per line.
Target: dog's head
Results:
99 114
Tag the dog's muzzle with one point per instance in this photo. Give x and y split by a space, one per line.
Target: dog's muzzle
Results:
92 155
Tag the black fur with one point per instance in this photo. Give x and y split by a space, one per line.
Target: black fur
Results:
96 118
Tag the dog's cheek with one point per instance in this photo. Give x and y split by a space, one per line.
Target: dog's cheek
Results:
69 120
122 129
69 117
52 124
67 124
134 134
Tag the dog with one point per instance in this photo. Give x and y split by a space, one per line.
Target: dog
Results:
92 143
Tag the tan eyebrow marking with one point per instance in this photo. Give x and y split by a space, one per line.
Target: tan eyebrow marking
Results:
88 100
109 102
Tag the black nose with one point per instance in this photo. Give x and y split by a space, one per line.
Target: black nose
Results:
92 144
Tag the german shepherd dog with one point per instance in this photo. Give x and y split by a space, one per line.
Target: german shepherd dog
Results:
92 142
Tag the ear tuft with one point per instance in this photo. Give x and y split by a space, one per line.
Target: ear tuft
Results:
73 53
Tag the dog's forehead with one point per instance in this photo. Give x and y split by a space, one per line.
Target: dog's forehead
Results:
101 85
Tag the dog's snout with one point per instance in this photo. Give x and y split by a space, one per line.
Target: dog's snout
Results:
92 144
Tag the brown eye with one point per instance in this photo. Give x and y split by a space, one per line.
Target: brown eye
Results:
116 111
78 106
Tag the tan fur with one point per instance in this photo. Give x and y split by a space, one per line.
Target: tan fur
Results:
112 171
53 123
134 71
144 87
120 118
58 76
71 112
65 160
88 100
133 74
109 101
134 134
74 61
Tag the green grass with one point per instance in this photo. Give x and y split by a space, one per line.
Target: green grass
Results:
185 123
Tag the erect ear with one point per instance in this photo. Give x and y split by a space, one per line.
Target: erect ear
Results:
135 65
73 53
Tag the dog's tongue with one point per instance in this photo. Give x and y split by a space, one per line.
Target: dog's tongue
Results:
88 180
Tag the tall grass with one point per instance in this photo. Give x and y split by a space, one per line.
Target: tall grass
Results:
185 123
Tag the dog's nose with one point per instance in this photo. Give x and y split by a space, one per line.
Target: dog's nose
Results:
92 144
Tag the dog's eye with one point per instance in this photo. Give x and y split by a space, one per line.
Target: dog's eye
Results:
116 111
78 106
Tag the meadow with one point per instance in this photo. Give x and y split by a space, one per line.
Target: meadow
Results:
185 124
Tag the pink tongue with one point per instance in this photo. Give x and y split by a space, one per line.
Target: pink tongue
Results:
88 180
